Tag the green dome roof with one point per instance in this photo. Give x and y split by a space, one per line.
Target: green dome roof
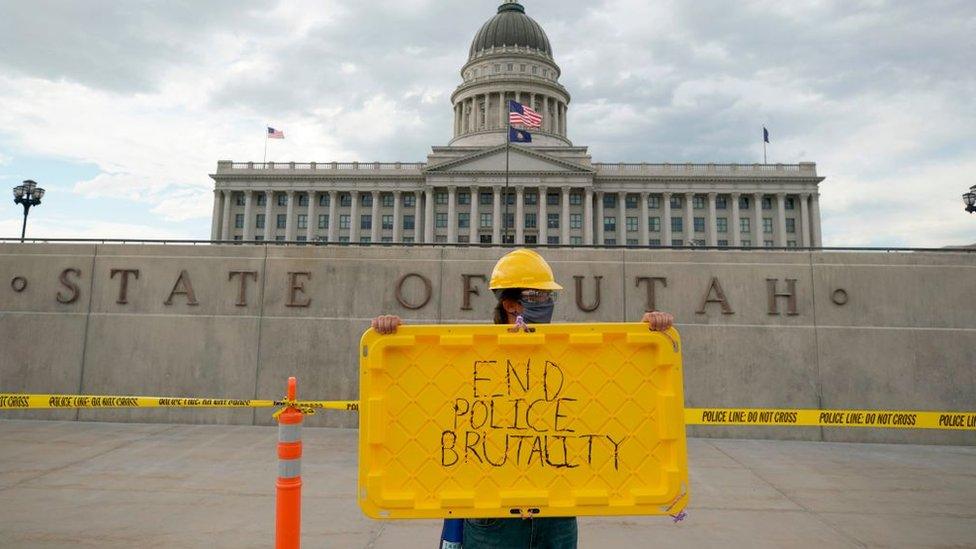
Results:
511 27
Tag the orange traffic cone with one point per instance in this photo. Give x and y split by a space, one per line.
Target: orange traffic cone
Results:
288 519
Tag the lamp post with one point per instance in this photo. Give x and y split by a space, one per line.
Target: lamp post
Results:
970 199
29 195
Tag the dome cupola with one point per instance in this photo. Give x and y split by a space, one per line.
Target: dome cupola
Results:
511 27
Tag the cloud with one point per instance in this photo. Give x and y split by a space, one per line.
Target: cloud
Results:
877 92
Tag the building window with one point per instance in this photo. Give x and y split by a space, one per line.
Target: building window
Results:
576 199
238 237
302 239
575 221
767 203
552 221
610 224
511 68
609 201
723 243
632 201
324 221
365 239
746 243
345 200
531 199
768 225
655 224
576 240
321 239
387 222
239 221
722 224
791 225
486 199
260 221
303 200
552 199
790 203
632 242
239 199
677 224
769 243
632 224
485 239
745 225
262 199
344 222
654 202
325 199
282 199
791 243
367 200
366 221
700 242
282 221
721 203
675 202
535 69
408 223
409 200
486 221
699 224
388 200
279 238
302 221
530 221
510 199
552 240
522 68
744 203
609 241
698 202
464 220
440 220
386 239
498 68
509 222
440 198
656 242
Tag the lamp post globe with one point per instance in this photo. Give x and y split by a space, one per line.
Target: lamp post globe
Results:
28 195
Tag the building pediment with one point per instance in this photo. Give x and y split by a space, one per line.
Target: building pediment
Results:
520 160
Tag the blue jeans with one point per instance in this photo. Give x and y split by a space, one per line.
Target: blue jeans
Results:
538 533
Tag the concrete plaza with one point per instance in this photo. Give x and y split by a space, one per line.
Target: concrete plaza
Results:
122 485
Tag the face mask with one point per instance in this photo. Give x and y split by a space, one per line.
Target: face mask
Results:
538 313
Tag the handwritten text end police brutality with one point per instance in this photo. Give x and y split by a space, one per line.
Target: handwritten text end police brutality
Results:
520 413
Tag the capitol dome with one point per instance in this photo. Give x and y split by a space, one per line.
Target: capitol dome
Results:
511 27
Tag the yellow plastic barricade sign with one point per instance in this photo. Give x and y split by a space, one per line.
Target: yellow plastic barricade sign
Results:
481 422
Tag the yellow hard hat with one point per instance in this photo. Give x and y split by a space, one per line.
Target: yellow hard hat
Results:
523 269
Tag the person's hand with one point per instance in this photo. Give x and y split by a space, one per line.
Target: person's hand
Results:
658 321
386 324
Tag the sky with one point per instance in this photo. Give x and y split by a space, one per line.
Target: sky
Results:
121 108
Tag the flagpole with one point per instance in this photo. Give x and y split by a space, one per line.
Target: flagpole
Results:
508 146
265 161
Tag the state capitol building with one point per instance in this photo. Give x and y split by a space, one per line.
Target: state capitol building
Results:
557 195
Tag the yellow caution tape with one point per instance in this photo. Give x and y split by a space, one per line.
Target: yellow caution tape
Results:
768 417
883 419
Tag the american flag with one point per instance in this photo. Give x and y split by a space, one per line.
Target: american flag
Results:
275 134
520 115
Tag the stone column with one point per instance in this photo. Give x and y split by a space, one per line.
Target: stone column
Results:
736 221
543 222
601 238
805 220
269 225
588 216
375 225
354 220
290 218
781 220
689 219
418 218
452 215
815 224
712 220
248 216
312 226
502 110
621 219
666 237
215 221
429 216
226 226
496 215
474 221
397 210
520 215
564 218
757 226
645 230
333 216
